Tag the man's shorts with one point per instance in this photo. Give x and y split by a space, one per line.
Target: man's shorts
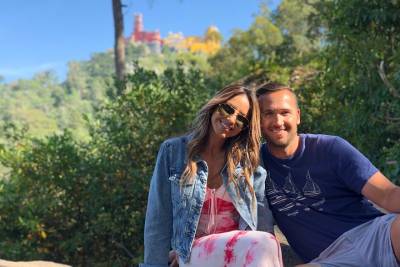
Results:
368 245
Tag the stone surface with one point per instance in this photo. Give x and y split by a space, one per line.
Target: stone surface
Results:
289 257
4 263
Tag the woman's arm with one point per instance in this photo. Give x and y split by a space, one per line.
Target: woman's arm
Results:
158 224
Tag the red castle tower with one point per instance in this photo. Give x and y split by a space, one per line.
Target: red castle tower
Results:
138 25
138 35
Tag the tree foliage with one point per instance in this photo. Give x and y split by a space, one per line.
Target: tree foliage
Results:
248 51
359 81
46 106
79 196
43 105
83 203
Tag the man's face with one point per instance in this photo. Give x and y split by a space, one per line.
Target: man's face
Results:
280 116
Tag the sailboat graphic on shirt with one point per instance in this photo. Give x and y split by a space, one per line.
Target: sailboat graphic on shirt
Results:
289 199
290 188
311 189
271 186
276 195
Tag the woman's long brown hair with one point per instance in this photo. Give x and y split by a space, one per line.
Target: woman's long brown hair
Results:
241 149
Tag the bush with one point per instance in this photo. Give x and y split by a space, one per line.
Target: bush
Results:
84 203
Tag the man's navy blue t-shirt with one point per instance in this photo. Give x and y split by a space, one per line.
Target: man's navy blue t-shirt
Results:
315 195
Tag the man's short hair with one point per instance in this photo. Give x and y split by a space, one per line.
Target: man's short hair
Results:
271 87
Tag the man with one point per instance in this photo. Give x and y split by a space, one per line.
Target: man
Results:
318 187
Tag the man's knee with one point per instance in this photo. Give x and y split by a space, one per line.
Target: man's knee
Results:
395 237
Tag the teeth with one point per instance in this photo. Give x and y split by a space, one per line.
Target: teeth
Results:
225 125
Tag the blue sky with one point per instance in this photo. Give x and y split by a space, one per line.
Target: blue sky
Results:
39 35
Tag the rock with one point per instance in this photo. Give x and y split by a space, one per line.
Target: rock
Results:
4 263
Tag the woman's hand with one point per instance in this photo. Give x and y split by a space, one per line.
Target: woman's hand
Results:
173 259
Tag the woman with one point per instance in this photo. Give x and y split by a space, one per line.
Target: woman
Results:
206 189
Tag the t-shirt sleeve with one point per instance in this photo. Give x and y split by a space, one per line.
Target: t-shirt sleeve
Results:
351 166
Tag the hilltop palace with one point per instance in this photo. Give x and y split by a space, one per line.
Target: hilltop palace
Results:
209 44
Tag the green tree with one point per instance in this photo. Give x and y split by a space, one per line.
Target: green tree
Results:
249 51
359 82
294 19
83 203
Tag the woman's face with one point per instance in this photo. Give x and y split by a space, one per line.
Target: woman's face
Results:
227 121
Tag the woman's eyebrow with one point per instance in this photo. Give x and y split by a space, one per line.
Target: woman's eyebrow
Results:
241 113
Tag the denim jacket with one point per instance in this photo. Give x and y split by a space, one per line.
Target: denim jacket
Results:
173 211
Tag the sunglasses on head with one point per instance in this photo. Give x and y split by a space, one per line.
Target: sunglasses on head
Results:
227 110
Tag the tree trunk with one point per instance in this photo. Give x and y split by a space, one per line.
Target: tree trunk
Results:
119 45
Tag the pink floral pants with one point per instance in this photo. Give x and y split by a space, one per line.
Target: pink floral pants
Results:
236 249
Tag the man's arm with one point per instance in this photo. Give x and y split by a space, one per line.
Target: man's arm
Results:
382 192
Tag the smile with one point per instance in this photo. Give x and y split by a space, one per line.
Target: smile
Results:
277 130
226 125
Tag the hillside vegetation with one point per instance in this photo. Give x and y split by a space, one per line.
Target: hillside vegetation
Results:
77 156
